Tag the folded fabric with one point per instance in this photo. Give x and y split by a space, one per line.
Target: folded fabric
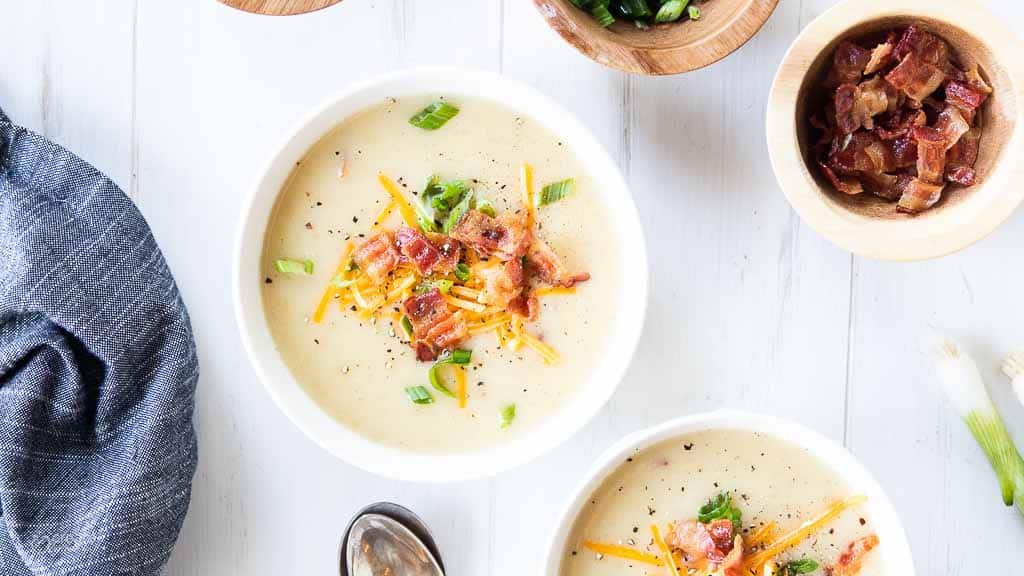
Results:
97 373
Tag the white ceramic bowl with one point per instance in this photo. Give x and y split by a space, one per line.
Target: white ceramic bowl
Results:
334 436
898 559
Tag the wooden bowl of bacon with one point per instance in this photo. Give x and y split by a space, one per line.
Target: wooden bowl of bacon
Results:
895 127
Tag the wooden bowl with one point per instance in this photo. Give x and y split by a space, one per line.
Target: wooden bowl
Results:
672 48
870 226
280 7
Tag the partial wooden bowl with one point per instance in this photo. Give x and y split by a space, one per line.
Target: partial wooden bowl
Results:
280 7
870 226
673 48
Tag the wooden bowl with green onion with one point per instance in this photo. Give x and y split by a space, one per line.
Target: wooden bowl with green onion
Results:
652 48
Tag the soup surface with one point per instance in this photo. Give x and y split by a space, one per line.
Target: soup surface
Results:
768 481
358 368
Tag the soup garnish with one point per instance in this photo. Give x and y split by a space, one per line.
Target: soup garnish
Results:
713 543
900 120
434 116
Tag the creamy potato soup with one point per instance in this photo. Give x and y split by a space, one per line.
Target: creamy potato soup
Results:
723 502
440 282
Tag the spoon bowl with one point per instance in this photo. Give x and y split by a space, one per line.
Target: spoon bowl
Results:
385 535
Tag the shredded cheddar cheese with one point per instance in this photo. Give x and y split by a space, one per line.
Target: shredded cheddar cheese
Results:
623 552
404 208
761 535
465 304
383 214
526 178
665 552
321 309
466 292
554 291
460 385
490 324
794 537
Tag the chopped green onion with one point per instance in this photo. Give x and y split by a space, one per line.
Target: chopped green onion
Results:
443 286
451 194
554 192
602 15
352 265
294 267
693 12
435 380
407 326
965 389
484 205
802 566
434 116
419 395
720 507
634 8
462 271
460 356
671 11
457 212
508 414
457 356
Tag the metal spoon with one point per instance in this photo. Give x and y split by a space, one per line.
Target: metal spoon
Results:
387 539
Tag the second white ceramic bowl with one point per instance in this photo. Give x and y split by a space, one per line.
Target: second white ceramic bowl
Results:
331 434
898 559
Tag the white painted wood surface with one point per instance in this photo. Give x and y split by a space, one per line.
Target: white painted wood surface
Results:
180 100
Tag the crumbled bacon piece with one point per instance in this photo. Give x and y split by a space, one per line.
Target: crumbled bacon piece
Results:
505 237
928 47
857 105
881 55
963 96
434 324
919 196
898 123
696 541
848 64
377 257
881 184
849 186
962 175
502 282
916 78
525 305
733 563
931 154
543 260
850 562
438 254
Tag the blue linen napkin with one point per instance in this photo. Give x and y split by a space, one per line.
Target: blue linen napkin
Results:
97 373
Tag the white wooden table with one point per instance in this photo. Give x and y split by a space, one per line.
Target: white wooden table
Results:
180 101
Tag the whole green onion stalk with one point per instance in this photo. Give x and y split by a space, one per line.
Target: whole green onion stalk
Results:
961 380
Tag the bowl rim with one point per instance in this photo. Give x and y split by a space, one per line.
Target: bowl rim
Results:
709 50
335 437
929 236
899 559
